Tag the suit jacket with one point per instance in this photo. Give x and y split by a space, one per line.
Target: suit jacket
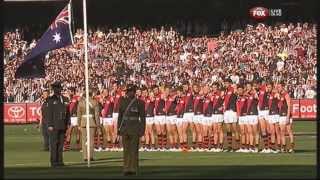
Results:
134 122
94 117
58 113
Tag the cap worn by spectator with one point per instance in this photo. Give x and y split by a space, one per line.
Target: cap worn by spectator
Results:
56 85
131 88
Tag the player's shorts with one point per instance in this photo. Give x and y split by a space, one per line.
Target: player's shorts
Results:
180 121
263 114
217 118
188 117
115 117
272 119
283 120
207 120
149 120
74 121
230 117
107 121
252 119
242 120
171 119
160 119
197 119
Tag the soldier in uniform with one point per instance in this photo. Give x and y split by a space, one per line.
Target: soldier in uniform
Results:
43 120
94 120
131 126
58 121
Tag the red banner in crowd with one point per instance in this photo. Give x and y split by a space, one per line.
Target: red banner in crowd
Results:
22 113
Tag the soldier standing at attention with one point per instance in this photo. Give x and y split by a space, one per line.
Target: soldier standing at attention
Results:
131 126
94 120
43 124
58 120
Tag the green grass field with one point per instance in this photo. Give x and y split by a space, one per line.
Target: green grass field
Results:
24 159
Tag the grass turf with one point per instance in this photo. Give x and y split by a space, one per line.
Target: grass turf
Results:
24 159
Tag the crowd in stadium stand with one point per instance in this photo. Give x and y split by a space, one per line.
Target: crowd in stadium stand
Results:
284 52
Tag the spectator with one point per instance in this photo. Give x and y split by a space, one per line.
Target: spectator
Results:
154 56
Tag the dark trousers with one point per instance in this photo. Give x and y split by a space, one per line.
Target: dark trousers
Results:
56 139
130 152
45 136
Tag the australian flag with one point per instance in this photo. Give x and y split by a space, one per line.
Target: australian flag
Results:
57 36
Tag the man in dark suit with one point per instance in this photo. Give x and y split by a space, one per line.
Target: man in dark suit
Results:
44 119
58 121
131 126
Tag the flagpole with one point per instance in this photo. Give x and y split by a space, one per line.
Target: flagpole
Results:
86 77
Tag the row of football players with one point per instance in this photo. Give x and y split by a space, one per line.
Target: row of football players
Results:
243 118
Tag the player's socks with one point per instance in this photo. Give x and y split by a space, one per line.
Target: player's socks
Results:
143 143
257 146
229 140
176 146
243 146
185 145
237 144
221 145
273 146
66 146
206 142
164 141
182 146
109 144
211 141
269 141
194 145
291 145
173 145
160 141
113 145
247 146
265 141
199 144
96 141
78 146
101 141
279 146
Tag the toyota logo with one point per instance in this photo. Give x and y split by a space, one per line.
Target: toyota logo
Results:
16 112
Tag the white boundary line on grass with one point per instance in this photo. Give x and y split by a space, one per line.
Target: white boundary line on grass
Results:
73 164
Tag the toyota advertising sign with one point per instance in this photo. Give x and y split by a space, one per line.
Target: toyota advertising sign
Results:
21 113
33 112
15 113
